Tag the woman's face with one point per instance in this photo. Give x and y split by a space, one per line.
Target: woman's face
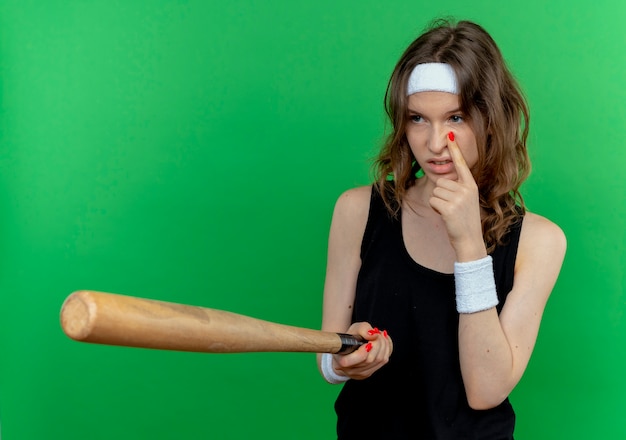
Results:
430 117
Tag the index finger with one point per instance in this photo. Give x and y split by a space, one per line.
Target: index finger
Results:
460 165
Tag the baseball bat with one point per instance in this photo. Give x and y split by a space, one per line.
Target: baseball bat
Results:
114 319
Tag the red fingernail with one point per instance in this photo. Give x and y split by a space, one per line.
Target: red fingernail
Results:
385 333
451 136
373 331
368 347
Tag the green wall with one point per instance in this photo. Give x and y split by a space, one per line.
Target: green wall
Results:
191 151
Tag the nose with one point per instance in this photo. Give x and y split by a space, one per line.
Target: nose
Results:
438 140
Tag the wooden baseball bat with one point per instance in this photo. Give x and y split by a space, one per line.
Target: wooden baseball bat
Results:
113 319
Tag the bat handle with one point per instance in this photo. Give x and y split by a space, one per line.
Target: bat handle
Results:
349 343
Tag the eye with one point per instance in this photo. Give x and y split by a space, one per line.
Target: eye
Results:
415 118
457 119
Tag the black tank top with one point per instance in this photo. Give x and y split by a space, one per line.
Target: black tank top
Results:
419 394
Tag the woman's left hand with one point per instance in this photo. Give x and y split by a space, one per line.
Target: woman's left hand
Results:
458 204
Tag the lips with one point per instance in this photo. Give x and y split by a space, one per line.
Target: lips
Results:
440 166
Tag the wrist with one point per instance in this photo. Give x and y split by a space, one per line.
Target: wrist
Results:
475 285
470 251
329 373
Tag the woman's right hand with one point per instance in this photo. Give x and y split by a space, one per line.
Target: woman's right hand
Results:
370 357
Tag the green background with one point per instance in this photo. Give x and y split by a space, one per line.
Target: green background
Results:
192 151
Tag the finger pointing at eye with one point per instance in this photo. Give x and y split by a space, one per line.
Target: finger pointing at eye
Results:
462 169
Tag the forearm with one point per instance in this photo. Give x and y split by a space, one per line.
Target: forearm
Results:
486 359
485 354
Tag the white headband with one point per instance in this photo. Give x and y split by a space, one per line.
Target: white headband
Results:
432 77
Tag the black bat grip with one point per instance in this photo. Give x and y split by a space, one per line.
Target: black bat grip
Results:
349 343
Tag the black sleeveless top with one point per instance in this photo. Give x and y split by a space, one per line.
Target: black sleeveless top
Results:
419 394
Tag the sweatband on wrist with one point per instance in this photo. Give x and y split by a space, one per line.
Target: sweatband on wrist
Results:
475 285
329 372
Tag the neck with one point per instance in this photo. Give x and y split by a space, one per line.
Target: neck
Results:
418 198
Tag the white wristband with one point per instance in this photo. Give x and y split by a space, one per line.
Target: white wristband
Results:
475 285
329 372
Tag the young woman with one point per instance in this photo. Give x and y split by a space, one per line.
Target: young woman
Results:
438 264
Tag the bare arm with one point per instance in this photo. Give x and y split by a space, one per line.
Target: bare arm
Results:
495 350
343 264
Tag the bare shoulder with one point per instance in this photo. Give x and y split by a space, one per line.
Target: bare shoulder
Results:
540 256
541 248
541 232
354 200
351 212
